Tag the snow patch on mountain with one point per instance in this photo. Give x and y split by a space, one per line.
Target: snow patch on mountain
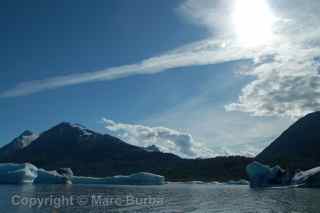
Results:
84 131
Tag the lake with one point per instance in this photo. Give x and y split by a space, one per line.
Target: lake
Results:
169 198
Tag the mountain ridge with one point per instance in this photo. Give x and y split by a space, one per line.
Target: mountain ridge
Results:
18 143
89 153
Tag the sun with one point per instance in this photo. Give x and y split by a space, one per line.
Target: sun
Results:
253 22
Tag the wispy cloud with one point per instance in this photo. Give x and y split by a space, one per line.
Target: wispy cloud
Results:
198 53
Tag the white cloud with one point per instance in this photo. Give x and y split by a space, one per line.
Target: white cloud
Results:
198 53
286 84
282 88
167 140
225 133
289 84
212 14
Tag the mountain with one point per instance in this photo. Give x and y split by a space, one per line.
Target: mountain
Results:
152 148
89 153
20 142
298 147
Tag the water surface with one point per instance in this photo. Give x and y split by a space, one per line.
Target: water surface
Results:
184 198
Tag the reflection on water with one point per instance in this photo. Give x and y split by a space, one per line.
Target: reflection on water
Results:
168 198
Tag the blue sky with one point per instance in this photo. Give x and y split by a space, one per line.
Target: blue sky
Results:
179 65
46 38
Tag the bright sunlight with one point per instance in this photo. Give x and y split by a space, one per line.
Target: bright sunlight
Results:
253 22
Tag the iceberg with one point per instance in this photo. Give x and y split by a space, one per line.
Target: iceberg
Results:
215 182
11 173
237 182
195 182
264 176
50 177
309 178
65 172
141 178
144 178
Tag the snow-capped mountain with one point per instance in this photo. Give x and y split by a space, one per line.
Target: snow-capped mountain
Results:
89 153
20 142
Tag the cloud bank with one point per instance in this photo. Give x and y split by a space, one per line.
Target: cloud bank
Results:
167 140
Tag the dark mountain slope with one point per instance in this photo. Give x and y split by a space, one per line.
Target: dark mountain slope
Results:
298 147
20 142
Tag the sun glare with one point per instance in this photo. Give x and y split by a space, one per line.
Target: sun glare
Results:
253 21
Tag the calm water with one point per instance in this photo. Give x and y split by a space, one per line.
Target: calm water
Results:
168 198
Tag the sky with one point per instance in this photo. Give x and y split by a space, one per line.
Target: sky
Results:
198 78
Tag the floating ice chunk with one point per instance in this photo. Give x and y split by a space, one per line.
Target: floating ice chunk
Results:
11 173
144 178
258 174
264 176
65 172
134 179
309 178
195 182
90 180
50 177
27 173
215 182
237 182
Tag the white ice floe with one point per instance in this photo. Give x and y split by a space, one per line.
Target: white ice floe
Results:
11 173
141 178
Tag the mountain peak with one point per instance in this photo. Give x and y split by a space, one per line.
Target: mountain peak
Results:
69 125
75 127
26 133
20 142
63 125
